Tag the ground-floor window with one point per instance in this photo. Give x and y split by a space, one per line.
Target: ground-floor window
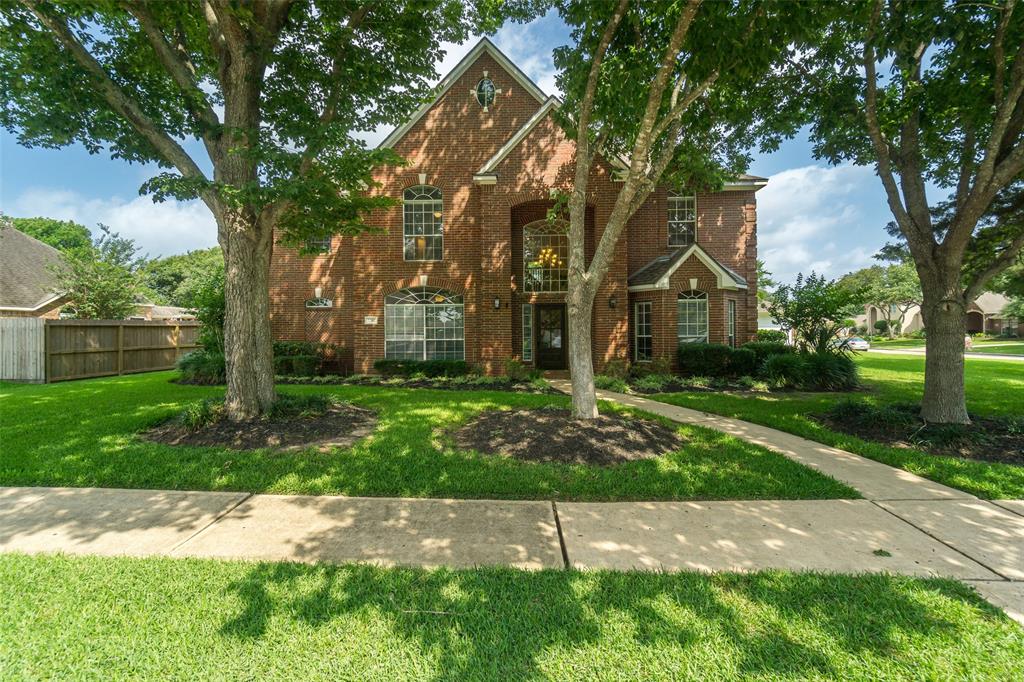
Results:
692 324
423 323
731 321
527 332
643 342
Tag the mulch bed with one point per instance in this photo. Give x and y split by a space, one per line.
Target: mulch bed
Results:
338 427
551 435
989 440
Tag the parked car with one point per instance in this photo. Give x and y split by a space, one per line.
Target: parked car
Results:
857 343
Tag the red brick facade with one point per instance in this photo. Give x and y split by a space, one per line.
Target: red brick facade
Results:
483 237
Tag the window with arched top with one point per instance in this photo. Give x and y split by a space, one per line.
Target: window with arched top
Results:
692 322
682 219
546 256
422 223
424 323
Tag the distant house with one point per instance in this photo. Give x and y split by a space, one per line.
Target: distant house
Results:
28 284
145 310
984 315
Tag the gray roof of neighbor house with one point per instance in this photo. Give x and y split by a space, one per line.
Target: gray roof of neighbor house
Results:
27 280
652 273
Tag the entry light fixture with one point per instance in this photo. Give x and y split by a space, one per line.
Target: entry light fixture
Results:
497 303
613 301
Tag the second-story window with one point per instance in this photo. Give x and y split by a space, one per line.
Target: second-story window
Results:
682 219
422 225
546 256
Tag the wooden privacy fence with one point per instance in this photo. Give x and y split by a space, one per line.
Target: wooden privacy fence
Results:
58 350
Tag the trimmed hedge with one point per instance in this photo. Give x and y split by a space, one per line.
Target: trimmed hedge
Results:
771 336
427 368
715 360
296 365
203 367
765 349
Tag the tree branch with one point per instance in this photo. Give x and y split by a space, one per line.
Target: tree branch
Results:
179 69
120 101
1001 262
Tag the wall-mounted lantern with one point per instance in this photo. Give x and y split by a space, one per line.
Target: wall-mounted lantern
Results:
497 303
613 301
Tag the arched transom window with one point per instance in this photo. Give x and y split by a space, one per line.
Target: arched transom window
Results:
424 323
692 325
422 224
546 256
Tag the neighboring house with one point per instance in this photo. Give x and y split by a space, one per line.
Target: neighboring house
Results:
468 267
28 285
145 310
984 315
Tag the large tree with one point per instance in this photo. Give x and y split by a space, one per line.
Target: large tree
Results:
253 106
677 92
931 94
102 280
176 280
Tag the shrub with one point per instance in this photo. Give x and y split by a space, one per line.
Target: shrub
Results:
789 369
882 326
201 413
427 368
742 361
771 336
765 349
705 359
696 382
753 384
618 369
603 381
653 382
305 405
830 372
203 366
654 366
517 371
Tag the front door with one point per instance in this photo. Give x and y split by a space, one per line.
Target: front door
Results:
551 336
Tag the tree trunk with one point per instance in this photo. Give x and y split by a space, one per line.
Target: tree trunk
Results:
944 399
248 349
581 364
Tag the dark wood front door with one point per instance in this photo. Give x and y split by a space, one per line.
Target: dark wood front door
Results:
551 336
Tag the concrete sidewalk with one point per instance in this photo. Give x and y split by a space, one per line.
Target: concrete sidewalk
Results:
971 540
969 355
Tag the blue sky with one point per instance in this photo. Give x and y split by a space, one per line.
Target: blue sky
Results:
810 216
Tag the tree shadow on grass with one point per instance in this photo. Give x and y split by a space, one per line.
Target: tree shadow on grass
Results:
506 624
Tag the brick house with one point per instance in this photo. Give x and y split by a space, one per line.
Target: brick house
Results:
467 267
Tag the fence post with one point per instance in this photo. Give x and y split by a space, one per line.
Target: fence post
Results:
120 349
47 361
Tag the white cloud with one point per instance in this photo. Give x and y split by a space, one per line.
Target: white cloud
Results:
159 229
801 213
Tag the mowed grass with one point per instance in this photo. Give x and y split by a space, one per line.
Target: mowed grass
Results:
993 388
85 434
103 618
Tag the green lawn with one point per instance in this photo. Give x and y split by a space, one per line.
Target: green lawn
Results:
84 434
1000 347
993 388
102 618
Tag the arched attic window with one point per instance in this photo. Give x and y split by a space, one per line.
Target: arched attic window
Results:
422 223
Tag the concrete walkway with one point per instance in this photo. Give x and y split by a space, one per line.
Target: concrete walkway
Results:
907 525
972 356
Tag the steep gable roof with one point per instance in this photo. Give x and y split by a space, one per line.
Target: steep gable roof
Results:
27 281
657 273
485 45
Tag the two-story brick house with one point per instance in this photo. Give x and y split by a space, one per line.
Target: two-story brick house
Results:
468 267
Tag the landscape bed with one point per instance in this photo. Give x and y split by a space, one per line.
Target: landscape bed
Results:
87 433
107 618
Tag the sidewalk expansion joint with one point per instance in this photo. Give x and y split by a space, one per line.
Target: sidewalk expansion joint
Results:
938 539
561 537
216 519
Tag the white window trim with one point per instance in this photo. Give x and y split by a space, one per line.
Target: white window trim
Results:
678 196
527 354
420 202
730 321
636 330
695 296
